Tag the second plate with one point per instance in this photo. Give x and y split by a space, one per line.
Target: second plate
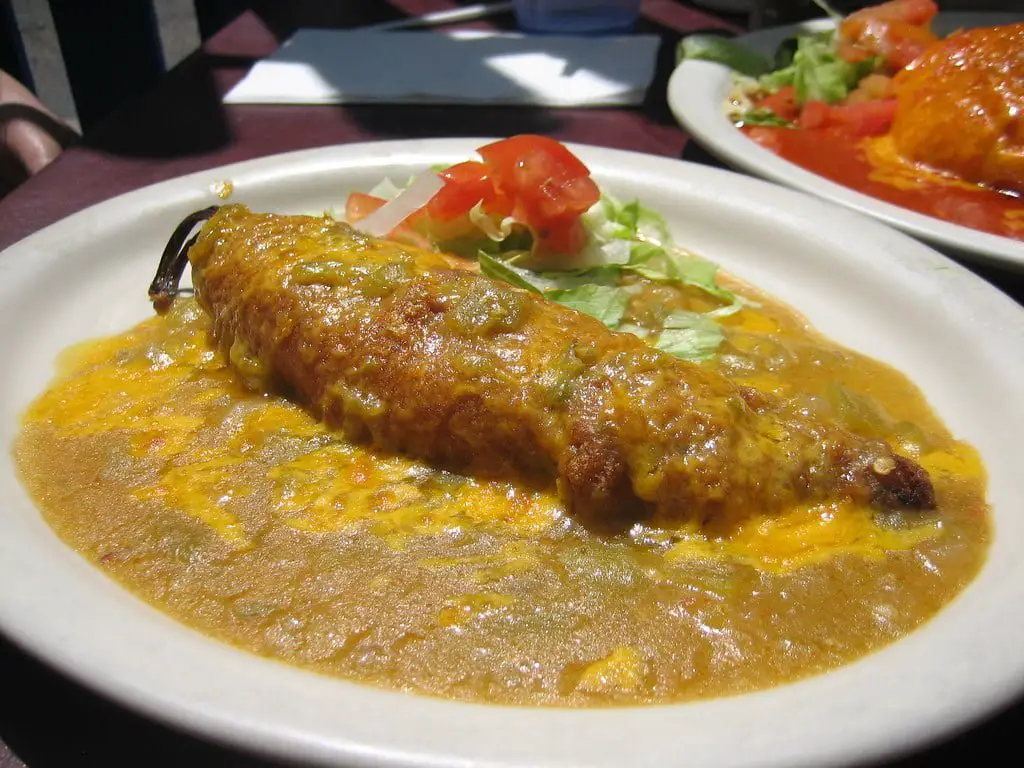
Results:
697 91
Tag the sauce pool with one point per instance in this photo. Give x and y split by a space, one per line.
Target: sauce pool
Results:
242 516
871 166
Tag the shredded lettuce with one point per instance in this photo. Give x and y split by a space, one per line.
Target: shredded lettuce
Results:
606 274
501 270
689 335
496 231
723 51
611 220
637 240
605 302
651 228
764 117
817 72
625 238
667 265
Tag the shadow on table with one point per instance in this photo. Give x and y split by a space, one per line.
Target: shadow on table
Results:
448 121
480 69
198 122
184 115
695 153
195 124
50 722
1009 282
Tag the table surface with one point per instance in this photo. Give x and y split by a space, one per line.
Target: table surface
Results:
181 127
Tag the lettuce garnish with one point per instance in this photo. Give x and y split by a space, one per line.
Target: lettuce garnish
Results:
809 62
710 47
605 302
817 72
625 239
689 335
764 117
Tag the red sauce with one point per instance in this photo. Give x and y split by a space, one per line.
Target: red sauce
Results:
845 160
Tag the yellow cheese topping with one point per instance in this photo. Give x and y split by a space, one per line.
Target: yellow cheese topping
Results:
238 513
134 383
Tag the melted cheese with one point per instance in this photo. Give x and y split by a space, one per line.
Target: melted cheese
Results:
802 537
242 515
892 168
622 670
123 385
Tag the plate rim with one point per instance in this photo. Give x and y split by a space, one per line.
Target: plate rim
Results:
701 115
192 190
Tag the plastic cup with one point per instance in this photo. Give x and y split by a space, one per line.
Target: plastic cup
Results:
576 17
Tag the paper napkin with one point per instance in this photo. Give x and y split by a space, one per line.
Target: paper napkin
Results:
323 66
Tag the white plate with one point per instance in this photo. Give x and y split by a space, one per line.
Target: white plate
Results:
697 91
863 284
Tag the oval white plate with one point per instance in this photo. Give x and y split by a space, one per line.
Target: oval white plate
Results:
863 284
697 91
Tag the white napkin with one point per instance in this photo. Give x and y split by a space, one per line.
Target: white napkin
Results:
326 66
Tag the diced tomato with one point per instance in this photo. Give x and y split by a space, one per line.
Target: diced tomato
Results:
766 137
523 157
897 31
782 103
852 53
866 118
465 185
869 118
553 200
544 178
566 235
360 205
916 12
534 179
542 185
815 114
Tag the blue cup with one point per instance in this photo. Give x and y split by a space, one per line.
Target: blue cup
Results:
576 17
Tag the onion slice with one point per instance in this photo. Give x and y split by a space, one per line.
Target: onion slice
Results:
394 212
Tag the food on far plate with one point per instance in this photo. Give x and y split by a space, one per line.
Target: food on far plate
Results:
961 107
882 105
510 444
895 33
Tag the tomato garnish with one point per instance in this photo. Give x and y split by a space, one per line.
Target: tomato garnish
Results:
534 179
524 160
782 103
565 235
465 185
898 31
815 114
544 179
916 12
360 205
867 118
